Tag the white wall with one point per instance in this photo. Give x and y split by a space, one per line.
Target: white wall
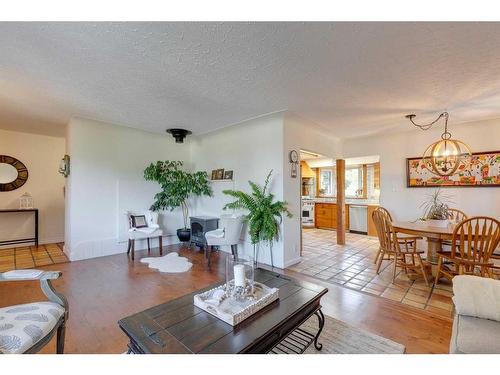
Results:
250 149
41 155
393 149
300 133
107 164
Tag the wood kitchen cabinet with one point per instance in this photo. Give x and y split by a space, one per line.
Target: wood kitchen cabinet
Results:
306 171
325 215
371 225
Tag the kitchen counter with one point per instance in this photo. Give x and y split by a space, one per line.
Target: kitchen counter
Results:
359 202
326 215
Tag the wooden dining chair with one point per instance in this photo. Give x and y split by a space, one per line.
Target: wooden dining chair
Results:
473 242
407 258
456 215
404 239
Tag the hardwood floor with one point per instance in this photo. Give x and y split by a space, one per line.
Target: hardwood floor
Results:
417 329
103 290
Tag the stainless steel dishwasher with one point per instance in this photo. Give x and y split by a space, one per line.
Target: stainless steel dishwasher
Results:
358 219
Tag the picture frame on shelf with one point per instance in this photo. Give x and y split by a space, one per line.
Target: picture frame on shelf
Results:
220 174
214 174
228 175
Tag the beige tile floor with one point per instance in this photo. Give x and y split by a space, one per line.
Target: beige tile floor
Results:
31 256
352 266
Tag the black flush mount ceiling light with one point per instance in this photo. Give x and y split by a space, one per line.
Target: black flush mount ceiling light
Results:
179 134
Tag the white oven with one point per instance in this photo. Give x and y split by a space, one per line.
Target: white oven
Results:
307 213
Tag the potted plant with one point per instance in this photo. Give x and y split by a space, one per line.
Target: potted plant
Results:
264 213
436 209
177 186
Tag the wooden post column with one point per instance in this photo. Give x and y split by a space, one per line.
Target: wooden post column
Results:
340 165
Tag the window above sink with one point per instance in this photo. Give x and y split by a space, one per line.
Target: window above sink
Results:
359 181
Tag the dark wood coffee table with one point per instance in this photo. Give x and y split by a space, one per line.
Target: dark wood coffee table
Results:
180 327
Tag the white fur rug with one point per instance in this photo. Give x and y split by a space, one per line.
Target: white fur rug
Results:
170 263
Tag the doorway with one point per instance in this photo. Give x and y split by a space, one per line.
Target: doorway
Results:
321 255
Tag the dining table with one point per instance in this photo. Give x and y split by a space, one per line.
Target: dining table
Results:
434 234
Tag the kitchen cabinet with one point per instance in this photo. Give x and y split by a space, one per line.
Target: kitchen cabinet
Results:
371 225
326 216
306 171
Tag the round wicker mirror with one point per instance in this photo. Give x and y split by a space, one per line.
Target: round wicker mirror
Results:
13 173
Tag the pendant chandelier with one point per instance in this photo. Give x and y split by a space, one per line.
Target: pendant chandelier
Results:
446 155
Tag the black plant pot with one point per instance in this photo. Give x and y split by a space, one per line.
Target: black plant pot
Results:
184 234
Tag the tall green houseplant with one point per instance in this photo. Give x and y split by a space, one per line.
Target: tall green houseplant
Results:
264 213
177 186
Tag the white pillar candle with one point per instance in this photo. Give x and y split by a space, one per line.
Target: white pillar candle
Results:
239 275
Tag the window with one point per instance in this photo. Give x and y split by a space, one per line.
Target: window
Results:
354 182
327 182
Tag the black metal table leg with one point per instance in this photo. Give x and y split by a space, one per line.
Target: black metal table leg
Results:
321 322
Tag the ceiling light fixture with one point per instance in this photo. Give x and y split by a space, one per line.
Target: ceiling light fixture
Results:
313 154
179 134
447 154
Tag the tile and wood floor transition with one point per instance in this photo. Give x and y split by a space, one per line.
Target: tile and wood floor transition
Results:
352 266
31 256
103 290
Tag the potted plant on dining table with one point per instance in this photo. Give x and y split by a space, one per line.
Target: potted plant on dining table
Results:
436 209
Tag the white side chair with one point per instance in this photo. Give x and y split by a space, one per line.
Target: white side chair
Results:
143 226
227 235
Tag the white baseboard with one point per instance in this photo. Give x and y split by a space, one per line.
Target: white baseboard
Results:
292 262
110 246
45 241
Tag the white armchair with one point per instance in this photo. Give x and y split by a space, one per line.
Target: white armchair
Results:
143 226
228 234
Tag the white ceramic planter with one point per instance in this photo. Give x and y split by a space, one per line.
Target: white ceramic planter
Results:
437 223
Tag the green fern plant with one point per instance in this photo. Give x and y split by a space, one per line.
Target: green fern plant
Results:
264 213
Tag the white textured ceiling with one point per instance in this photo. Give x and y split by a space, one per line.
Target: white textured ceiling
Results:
351 78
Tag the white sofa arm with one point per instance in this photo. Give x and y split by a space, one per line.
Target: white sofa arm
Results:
477 296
